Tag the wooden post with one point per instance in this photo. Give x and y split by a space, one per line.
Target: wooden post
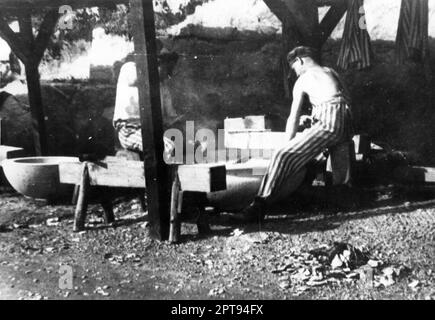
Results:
30 51
36 109
156 171
82 202
175 226
106 203
300 20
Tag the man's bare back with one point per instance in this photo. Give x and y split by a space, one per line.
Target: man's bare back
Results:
319 84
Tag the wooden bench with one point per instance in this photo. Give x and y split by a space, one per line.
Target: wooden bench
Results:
8 152
189 187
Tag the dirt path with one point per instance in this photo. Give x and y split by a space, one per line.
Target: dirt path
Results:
235 262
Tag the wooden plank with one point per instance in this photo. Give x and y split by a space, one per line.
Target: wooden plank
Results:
156 171
122 173
8 152
415 174
129 174
202 177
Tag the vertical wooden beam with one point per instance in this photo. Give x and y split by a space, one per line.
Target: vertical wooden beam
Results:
306 15
34 86
156 171
36 109
30 52
300 26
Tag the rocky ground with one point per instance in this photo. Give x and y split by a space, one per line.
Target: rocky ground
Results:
314 253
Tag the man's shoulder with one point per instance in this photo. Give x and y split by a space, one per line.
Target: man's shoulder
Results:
305 79
128 66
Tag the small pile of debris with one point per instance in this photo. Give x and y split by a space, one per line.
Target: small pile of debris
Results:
339 263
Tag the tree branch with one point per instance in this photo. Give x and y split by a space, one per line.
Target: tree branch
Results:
45 32
14 40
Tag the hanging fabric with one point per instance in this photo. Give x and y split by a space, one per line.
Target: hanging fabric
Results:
413 31
355 50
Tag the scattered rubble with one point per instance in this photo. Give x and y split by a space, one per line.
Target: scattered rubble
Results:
100 291
53 222
339 263
216 292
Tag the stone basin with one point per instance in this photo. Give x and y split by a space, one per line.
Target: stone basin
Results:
38 177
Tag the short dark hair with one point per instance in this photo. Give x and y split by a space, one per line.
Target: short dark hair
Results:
301 52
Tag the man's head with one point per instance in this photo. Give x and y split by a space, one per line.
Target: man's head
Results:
301 57
167 62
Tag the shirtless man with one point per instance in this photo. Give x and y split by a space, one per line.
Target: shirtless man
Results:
330 125
126 119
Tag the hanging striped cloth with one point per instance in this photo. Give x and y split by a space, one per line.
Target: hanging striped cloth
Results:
355 50
413 31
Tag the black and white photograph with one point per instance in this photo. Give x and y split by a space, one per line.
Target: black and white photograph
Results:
230 151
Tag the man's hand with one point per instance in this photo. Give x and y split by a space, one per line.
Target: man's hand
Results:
169 149
305 122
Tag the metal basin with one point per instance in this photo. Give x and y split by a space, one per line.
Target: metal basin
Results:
37 177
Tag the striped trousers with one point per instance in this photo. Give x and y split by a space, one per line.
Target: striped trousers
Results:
331 125
130 138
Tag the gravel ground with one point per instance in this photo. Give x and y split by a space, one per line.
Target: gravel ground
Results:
234 262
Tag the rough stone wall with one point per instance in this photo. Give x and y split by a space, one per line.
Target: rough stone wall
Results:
76 117
215 79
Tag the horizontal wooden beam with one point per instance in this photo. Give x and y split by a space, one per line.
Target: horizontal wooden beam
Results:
113 172
202 177
8 152
122 174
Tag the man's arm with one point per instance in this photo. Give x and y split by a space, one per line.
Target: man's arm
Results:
295 112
